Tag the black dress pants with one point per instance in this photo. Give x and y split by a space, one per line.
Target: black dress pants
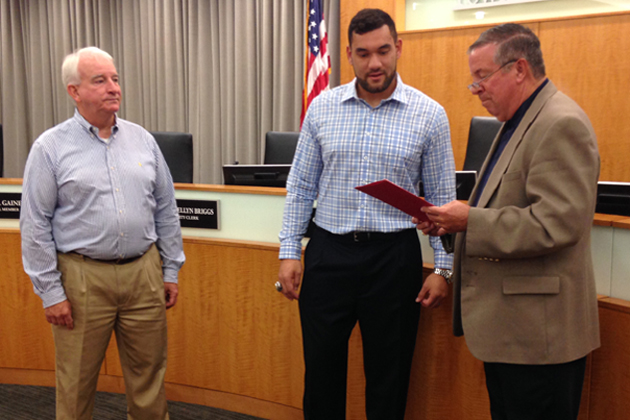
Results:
535 392
373 280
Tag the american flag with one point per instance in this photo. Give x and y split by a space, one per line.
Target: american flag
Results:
317 66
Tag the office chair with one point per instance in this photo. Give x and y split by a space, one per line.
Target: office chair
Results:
177 149
482 132
280 147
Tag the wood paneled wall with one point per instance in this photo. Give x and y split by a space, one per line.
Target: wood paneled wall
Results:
610 373
588 58
235 343
231 330
26 341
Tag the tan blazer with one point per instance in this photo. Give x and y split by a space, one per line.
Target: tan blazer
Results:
524 288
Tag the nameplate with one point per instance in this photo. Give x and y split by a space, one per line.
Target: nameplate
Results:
10 204
202 214
192 213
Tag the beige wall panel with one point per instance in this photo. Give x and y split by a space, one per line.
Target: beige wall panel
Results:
589 59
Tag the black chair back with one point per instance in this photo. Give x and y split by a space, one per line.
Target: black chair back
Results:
177 149
482 132
280 147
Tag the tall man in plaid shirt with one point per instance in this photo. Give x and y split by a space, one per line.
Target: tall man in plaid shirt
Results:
363 263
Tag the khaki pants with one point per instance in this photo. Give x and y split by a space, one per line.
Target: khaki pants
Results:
129 299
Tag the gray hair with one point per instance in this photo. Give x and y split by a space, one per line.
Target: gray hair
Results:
514 41
70 66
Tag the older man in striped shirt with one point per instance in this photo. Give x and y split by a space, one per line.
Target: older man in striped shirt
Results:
101 242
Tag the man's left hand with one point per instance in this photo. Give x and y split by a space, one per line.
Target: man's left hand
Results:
433 291
170 292
449 218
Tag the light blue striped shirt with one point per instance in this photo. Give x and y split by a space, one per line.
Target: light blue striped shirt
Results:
345 143
102 199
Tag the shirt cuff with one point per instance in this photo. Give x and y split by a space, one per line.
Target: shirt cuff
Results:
170 275
290 251
443 260
54 296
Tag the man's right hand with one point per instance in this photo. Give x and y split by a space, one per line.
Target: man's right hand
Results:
290 275
60 314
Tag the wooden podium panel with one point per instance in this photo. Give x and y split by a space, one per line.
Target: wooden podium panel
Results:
610 384
235 343
231 332
25 336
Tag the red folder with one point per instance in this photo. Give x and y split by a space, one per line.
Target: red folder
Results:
400 198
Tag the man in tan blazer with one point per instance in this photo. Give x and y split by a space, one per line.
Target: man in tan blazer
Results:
524 289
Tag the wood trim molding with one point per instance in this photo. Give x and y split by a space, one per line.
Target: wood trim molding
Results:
623 223
233 189
10 181
602 219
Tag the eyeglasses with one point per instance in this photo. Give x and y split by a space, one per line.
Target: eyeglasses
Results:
475 86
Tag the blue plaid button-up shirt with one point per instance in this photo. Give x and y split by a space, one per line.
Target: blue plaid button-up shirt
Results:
345 143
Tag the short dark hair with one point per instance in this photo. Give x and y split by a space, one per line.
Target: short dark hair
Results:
368 20
515 41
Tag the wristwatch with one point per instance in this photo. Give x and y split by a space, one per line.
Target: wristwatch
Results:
447 274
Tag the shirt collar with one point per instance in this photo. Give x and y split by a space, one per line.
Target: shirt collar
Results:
89 127
399 93
520 112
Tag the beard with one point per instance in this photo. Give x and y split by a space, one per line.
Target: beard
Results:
377 89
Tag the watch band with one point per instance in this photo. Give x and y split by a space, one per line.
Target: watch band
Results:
447 274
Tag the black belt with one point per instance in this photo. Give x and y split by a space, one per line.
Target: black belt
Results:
118 261
360 236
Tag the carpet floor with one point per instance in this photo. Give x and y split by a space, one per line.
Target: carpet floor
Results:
21 402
